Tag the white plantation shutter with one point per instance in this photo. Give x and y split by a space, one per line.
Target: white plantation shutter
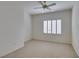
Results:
45 26
49 26
58 26
52 26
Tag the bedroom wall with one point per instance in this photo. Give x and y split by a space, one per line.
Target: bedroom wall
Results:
64 15
27 25
11 27
75 27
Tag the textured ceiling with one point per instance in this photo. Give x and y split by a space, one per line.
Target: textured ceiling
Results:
60 5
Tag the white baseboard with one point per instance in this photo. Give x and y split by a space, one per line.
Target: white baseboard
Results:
53 41
27 40
11 50
75 49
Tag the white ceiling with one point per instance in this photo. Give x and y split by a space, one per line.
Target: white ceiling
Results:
60 5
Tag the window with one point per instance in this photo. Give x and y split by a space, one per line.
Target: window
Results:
52 26
58 26
49 26
45 26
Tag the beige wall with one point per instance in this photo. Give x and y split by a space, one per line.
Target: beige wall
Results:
27 25
11 27
75 27
37 26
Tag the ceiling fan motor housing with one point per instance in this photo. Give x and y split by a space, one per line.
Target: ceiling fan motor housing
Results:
44 6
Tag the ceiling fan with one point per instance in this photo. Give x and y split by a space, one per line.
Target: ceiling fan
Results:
44 5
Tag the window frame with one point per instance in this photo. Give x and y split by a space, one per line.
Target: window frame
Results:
51 27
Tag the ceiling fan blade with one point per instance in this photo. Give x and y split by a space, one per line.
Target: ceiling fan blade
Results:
44 2
49 8
41 3
37 7
52 4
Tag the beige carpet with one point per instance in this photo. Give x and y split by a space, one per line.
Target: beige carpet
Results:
42 49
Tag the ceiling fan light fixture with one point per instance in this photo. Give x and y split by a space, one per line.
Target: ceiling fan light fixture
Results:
45 5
